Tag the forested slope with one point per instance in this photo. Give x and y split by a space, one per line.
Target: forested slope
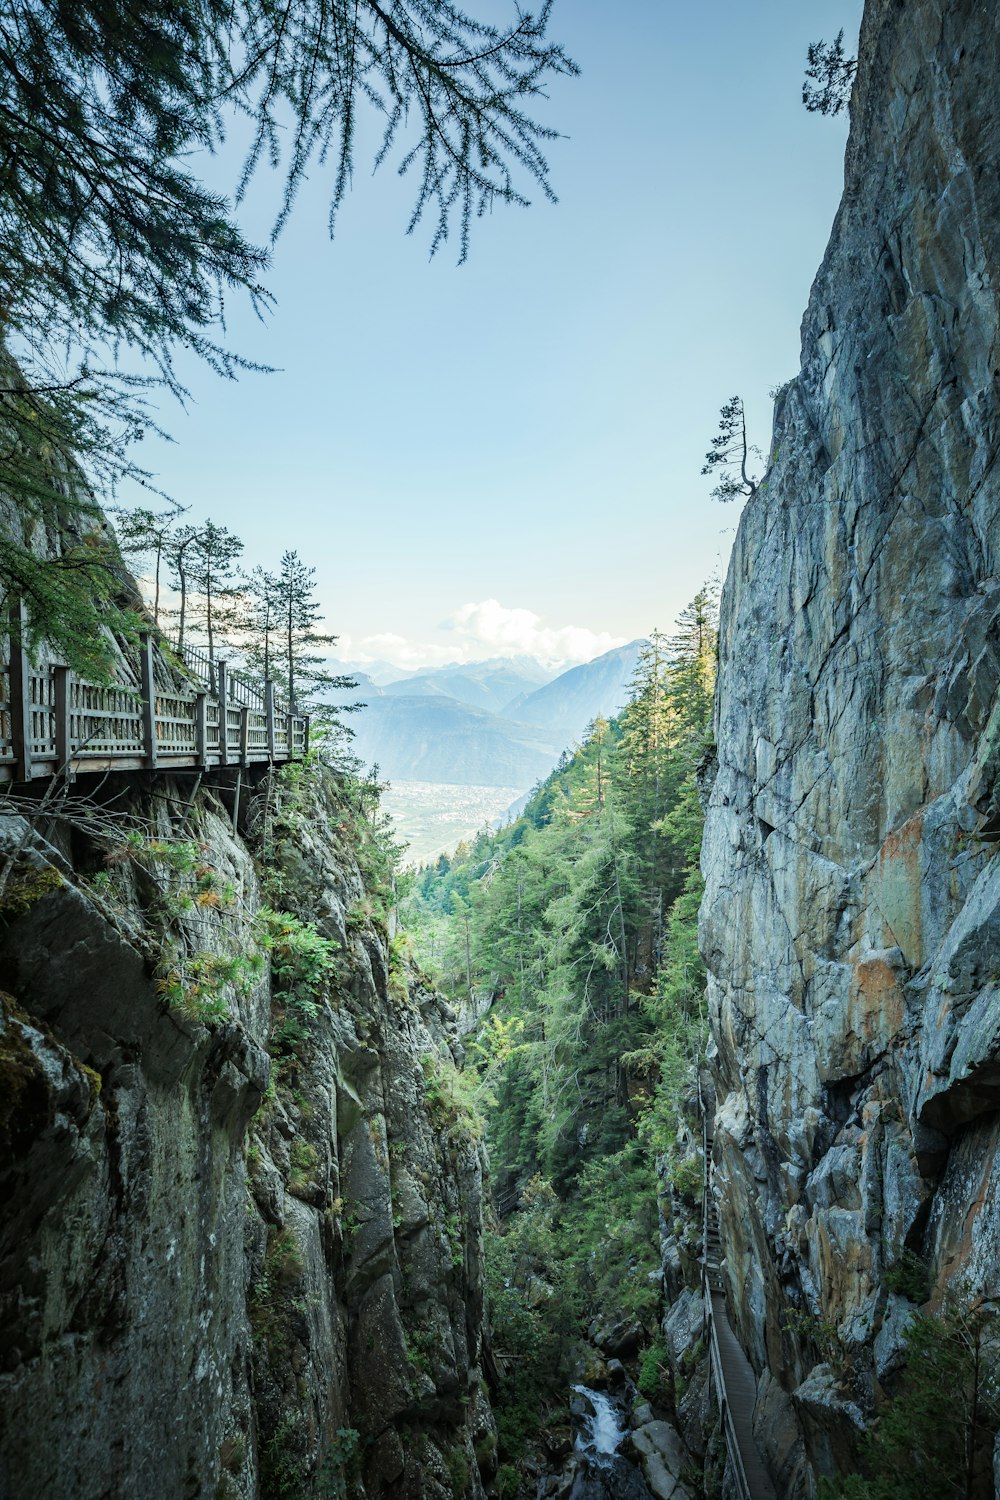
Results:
572 935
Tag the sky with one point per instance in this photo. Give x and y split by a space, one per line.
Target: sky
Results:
504 456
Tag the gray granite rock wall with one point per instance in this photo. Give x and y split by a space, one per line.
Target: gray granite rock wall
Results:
219 1274
851 920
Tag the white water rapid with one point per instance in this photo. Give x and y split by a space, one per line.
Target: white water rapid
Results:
601 1433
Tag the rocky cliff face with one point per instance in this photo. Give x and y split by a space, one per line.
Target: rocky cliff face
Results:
240 1238
852 913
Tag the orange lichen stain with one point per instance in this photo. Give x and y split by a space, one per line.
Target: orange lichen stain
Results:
875 1008
957 1253
899 888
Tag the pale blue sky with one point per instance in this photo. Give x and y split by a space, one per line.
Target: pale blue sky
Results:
529 428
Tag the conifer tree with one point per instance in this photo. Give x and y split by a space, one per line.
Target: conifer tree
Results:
144 534
214 581
261 624
829 77
298 614
179 552
730 453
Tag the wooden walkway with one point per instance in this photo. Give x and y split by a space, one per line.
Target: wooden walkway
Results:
158 715
732 1373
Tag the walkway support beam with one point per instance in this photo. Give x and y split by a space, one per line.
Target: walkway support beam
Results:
148 677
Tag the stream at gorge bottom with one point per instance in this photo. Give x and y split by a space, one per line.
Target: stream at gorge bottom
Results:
596 1470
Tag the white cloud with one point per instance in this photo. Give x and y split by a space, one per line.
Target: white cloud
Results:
520 632
489 628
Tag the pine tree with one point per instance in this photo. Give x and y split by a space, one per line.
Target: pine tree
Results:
693 655
298 614
179 552
730 453
261 623
829 77
214 581
144 534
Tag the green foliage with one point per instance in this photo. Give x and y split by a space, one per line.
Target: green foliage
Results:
284 1465
298 665
340 1467
822 1332
909 1278
654 1370
400 949
181 868
829 77
508 1481
200 984
302 960
270 1291
459 1471
72 598
686 1173
115 256
451 1098
934 1438
304 1160
534 1305
580 920
729 454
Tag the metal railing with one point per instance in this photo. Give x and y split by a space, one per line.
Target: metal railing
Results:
147 718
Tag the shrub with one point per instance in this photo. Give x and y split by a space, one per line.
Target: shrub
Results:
340 1466
305 1160
450 1098
653 1368
508 1481
198 984
301 958
687 1177
909 1278
459 1471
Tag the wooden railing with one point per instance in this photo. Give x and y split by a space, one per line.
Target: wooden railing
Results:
731 1372
52 719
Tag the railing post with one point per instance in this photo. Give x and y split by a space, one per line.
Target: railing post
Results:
223 714
290 730
20 694
201 728
244 736
269 711
305 736
148 698
64 747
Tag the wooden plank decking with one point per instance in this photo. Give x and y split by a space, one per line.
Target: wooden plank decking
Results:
153 717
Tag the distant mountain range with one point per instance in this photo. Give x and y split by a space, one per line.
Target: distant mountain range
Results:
495 723
490 685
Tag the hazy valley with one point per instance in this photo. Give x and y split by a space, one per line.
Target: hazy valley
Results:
460 744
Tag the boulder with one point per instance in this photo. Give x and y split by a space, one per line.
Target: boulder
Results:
663 1458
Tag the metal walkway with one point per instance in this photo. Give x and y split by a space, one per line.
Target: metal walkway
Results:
732 1373
166 710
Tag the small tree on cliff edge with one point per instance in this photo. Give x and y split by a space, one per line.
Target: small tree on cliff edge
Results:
729 454
261 624
829 77
298 614
214 581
